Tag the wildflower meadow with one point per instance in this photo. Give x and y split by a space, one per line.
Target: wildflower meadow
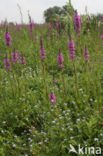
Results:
51 86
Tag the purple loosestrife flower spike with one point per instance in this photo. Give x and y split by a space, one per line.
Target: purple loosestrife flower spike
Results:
7 37
23 61
31 26
86 54
14 56
42 51
43 57
7 64
71 48
52 98
60 60
77 22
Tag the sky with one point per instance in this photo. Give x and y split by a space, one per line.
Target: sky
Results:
10 10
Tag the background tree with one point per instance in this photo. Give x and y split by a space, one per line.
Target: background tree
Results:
53 11
50 12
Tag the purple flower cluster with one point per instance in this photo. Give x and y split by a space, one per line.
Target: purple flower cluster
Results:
14 59
60 60
23 61
7 63
15 56
77 22
42 54
52 98
8 38
71 49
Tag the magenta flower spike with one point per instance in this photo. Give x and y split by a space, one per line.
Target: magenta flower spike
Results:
23 61
14 57
71 48
42 57
31 26
60 60
7 64
8 37
77 22
42 51
86 54
52 98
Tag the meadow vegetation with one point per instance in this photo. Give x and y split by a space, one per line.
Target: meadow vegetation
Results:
51 86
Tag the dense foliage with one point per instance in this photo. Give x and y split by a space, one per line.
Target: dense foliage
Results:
52 12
